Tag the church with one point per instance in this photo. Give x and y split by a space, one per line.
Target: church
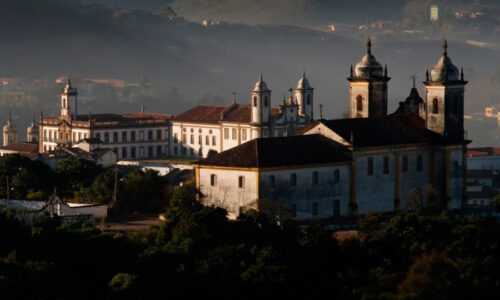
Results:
370 162
209 128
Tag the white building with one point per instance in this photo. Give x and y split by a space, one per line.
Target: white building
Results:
218 128
130 136
372 162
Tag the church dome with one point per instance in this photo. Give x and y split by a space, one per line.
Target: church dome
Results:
260 86
9 127
303 82
445 70
369 66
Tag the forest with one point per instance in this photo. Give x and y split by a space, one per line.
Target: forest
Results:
198 252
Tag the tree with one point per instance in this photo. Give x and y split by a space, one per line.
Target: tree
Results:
124 286
76 173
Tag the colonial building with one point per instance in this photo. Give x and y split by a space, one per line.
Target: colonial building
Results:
371 162
139 135
207 128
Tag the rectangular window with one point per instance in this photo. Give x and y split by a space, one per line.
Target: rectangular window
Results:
370 166
234 134
192 139
271 181
150 135
141 135
315 208
175 150
106 137
200 139
293 180
158 134
167 134
141 151
132 152
336 176
150 151
315 178
244 134
115 150
386 165
132 136
214 140
124 152
115 137
124 136
184 138
207 140
264 132
158 151
175 138
420 165
191 151
213 180
241 182
226 133
404 166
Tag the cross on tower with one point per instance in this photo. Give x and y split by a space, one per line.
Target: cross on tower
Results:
414 77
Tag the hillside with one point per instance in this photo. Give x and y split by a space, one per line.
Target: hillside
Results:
292 12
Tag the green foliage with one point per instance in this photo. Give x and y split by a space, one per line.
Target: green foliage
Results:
76 173
123 286
142 191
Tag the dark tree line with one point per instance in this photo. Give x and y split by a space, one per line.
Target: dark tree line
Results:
198 252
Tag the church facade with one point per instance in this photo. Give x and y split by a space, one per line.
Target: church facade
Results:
370 162
206 128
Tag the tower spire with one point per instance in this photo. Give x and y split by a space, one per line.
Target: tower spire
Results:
369 46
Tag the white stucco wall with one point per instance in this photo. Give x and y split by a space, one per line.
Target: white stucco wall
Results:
226 193
305 193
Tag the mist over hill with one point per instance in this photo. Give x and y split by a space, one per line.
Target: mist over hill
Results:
188 63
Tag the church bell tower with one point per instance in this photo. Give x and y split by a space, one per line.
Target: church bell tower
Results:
444 95
69 103
368 87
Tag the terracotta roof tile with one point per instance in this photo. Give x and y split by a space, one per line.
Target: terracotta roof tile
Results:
26 147
281 151
213 114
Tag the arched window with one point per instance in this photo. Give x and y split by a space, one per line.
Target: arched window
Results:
255 101
359 103
266 101
308 100
435 107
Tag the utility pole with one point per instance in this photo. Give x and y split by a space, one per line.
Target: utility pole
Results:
115 189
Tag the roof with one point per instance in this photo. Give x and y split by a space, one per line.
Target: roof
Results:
115 120
281 151
213 114
483 151
27 147
90 141
383 131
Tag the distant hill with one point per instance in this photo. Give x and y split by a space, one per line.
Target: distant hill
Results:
43 38
293 12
